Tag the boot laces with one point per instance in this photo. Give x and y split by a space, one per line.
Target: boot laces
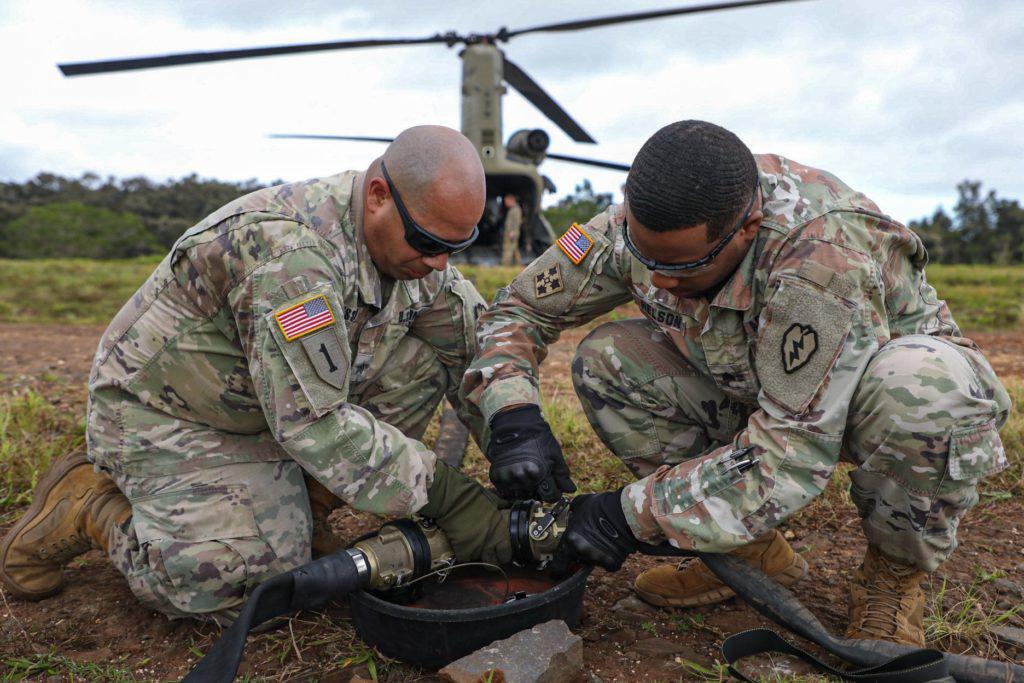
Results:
884 601
64 549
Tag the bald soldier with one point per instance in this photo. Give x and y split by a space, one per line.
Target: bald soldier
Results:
285 357
787 324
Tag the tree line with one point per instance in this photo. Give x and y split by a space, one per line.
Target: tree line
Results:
51 216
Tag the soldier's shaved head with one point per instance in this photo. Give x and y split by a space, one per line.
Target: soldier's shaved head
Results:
438 176
430 163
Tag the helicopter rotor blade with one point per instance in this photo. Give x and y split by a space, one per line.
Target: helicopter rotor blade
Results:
178 59
355 138
505 34
532 91
589 162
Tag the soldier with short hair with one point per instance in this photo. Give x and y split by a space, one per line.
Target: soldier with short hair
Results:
788 325
284 358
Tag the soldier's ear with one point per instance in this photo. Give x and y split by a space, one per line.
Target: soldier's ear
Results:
753 222
377 195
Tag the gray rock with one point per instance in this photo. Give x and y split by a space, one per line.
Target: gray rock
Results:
1008 635
547 653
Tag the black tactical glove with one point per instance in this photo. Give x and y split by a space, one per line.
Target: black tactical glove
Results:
474 519
526 460
597 533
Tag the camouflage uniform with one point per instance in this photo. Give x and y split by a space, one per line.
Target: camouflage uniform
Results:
205 406
510 236
826 342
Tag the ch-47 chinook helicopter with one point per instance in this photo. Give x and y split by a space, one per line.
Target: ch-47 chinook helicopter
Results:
511 167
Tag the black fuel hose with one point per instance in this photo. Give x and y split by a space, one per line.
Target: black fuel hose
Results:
778 604
310 586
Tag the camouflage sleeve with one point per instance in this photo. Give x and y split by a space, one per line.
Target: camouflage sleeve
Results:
815 338
287 311
449 328
574 281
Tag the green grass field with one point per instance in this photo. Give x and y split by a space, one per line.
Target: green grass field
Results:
85 291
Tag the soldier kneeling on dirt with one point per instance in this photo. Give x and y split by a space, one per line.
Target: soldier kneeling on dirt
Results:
285 357
787 325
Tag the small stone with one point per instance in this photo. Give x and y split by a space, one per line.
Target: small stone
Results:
658 647
632 610
631 603
1008 635
623 636
546 653
788 535
1007 587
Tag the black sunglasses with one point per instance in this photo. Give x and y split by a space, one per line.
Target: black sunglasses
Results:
418 238
651 264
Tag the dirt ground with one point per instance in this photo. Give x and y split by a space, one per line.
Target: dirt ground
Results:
97 621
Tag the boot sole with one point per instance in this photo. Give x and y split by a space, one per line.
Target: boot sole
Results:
43 489
796 570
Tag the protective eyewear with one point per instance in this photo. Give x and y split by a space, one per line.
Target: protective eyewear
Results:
419 238
688 268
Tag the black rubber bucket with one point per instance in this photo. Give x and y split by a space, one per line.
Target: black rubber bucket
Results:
429 634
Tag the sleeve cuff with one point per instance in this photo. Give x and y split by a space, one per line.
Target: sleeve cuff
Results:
637 509
507 392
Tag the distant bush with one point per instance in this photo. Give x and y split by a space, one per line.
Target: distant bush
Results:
75 230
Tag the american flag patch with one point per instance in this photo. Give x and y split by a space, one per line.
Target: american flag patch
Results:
575 243
305 317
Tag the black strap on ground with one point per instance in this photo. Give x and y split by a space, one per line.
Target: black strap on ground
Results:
780 605
310 586
918 666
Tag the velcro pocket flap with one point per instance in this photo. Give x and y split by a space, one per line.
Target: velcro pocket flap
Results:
975 452
199 513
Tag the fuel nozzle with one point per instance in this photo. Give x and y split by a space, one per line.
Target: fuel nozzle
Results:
535 530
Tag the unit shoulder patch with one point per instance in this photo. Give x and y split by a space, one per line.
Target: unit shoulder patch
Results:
548 282
804 332
575 243
798 345
304 318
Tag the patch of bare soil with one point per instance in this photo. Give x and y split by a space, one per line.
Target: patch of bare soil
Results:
97 620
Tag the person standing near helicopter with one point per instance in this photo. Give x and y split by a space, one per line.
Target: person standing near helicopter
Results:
511 228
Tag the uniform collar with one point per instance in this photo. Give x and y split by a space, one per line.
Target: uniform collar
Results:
737 292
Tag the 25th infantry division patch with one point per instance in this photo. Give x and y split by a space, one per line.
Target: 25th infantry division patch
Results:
548 282
798 345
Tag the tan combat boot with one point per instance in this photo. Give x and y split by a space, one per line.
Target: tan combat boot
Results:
690 583
73 510
321 503
886 601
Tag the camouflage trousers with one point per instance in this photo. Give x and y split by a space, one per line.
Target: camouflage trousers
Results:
198 542
922 428
510 243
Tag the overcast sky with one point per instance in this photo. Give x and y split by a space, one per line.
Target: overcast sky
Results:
901 99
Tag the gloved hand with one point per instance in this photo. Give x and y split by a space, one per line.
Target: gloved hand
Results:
474 519
597 533
526 460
